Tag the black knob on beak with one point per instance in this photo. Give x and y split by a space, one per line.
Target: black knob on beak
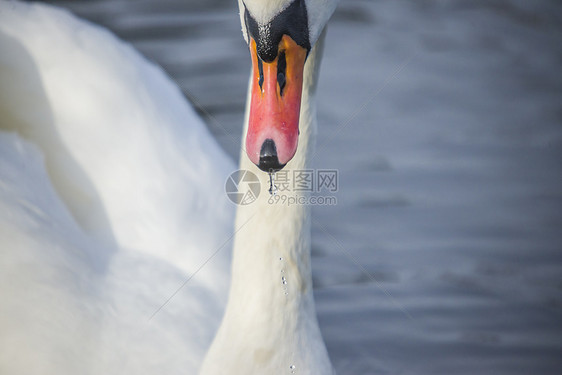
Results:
269 162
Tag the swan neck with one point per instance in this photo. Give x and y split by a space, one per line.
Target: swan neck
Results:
271 290
280 228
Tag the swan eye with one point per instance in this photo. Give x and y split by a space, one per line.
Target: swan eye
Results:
281 68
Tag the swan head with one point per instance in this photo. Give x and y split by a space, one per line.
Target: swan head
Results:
280 34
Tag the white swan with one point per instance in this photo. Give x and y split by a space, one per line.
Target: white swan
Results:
77 297
270 324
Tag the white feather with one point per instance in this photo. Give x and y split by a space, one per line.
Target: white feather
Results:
111 195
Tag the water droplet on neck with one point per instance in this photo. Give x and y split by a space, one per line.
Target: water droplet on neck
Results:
283 279
272 187
292 367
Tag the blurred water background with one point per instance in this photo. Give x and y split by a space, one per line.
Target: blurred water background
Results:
444 120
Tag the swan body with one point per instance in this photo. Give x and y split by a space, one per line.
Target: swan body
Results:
111 196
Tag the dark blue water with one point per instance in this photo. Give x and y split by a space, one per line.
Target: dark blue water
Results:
444 122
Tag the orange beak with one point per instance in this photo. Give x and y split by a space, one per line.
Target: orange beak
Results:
273 128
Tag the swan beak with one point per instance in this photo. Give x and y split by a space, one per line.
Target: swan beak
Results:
273 126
